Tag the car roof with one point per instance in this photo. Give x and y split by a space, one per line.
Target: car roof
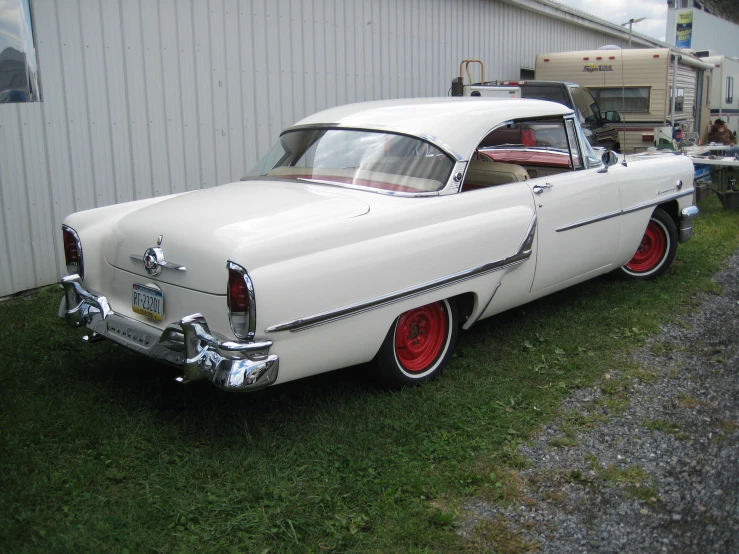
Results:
455 124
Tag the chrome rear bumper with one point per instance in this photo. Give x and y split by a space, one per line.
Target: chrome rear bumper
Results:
687 215
188 344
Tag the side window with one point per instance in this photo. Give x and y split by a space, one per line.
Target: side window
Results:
18 67
520 150
627 100
574 145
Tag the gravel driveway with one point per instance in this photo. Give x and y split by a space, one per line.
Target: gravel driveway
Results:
646 461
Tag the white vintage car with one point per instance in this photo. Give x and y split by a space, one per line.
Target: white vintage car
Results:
371 233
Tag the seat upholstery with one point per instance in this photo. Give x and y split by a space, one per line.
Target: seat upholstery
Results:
487 174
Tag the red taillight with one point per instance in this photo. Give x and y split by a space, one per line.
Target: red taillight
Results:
528 137
71 253
238 296
242 311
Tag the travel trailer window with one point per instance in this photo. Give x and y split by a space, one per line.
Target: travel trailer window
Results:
632 100
679 100
18 67
729 90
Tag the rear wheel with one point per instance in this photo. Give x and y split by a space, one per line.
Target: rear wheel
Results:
656 250
418 345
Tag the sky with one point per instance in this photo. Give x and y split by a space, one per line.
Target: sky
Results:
620 11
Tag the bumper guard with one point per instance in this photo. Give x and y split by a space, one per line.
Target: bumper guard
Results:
687 215
188 344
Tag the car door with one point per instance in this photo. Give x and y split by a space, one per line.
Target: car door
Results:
577 227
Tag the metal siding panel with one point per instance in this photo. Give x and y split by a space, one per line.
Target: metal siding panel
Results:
78 116
234 85
117 101
319 53
57 147
173 147
250 86
351 53
341 68
272 56
138 120
7 286
97 102
38 212
285 66
375 30
188 95
330 73
261 64
219 93
204 92
155 105
15 202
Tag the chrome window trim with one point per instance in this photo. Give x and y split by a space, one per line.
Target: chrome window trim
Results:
625 211
314 320
252 324
381 129
81 269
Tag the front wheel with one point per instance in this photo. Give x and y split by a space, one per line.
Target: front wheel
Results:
418 345
656 250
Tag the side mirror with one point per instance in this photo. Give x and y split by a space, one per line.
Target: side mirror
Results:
613 117
609 158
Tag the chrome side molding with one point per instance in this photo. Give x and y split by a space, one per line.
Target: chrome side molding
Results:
522 254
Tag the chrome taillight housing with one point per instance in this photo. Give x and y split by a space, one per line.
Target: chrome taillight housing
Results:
242 309
73 252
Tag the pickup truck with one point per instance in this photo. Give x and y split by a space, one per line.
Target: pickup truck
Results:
598 127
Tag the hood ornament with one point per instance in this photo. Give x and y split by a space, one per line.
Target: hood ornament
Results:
154 260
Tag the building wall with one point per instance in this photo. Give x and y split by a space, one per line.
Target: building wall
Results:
144 98
709 32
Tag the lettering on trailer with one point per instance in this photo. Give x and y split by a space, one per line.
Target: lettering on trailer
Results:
590 68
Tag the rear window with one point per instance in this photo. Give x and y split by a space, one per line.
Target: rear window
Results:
553 94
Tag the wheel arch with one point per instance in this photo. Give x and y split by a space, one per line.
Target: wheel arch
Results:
672 209
466 303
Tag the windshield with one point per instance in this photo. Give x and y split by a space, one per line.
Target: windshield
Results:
371 159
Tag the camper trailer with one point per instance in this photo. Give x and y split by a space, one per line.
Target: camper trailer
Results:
638 83
724 95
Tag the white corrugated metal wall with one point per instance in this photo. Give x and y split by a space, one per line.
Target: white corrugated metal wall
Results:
145 97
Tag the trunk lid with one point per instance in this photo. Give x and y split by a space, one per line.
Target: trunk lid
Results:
200 230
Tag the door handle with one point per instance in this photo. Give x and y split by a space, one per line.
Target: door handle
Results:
538 189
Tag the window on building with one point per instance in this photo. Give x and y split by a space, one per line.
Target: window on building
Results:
729 90
628 99
18 65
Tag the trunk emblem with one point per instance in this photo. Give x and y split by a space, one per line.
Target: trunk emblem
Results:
151 261
154 260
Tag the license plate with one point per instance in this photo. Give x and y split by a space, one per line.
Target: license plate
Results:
147 301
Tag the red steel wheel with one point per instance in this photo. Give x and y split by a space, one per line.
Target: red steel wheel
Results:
418 345
651 250
420 335
656 250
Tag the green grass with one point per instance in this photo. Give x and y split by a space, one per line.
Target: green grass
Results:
102 451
